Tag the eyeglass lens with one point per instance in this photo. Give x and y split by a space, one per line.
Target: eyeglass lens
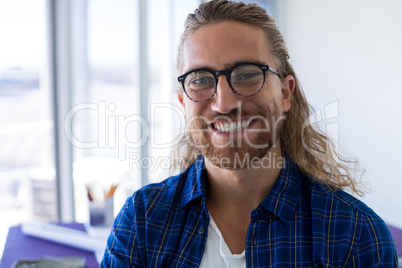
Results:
245 80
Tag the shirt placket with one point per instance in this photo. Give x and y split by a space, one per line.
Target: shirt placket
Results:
258 241
202 229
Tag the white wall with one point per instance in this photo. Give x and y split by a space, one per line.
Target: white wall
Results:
351 52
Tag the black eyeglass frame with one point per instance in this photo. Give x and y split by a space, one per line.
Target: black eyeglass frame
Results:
228 73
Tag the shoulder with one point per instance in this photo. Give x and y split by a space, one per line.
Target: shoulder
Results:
156 195
325 198
341 206
173 193
144 202
337 214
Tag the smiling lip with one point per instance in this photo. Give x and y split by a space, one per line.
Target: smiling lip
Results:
231 127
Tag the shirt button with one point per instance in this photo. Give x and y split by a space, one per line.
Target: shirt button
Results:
201 231
255 242
197 209
275 218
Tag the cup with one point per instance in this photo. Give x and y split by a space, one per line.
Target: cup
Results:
101 213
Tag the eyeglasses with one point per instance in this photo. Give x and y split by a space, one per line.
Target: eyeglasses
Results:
245 79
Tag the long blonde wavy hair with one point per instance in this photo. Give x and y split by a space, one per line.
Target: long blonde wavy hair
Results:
308 147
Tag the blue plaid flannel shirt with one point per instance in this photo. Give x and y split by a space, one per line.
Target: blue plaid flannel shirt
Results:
301 223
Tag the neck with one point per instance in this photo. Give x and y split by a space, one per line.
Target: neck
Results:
246 188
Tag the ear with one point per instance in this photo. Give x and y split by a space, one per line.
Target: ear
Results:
180 98
288 86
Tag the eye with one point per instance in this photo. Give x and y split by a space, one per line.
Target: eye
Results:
201 81
246 75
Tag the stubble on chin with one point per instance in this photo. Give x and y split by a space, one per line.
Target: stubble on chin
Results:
238 153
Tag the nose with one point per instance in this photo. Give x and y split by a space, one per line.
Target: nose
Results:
225 100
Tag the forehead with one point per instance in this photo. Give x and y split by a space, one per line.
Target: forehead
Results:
218 46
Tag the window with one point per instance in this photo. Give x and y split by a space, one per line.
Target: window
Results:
122 94
27 181
106 100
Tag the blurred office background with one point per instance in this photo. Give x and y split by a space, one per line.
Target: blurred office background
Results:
87 95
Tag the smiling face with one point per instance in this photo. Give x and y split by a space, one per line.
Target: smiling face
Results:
229 126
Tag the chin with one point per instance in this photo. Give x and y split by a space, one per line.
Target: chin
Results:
236 158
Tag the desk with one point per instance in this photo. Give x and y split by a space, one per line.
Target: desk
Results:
397 235
19 246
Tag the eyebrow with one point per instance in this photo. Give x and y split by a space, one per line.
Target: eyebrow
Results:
227 66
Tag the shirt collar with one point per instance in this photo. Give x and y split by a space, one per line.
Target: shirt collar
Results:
281 200
284 195
194 184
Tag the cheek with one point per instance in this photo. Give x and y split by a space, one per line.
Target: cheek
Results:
193 108
269 101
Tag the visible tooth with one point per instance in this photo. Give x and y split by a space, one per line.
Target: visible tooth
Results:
233 126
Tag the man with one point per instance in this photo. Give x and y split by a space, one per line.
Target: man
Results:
260 187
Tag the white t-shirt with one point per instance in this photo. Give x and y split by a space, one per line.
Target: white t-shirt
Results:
217 253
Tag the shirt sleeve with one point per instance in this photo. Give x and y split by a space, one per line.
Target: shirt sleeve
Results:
122 249
375 246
